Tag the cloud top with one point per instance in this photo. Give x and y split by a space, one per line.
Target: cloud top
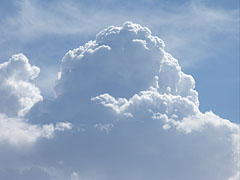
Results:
132 57
17 93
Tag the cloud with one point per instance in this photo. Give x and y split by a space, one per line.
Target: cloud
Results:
43 26
17 96
59 17
17 93
104 127
18 132
125 84
75 176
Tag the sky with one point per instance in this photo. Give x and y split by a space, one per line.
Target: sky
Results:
202 35
119 89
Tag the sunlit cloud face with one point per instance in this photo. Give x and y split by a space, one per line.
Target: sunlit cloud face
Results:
18 95
123 109
15 86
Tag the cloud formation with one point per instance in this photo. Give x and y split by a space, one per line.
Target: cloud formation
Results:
18 132
17 93
135 115
17 96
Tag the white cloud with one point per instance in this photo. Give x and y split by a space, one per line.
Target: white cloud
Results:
61 126
104 127
126 84
75 176
118 52
130 59
19 132
17 93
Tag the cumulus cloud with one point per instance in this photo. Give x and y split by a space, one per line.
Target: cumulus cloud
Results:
125 84
17 131
117 50
117 57
17 93
75 176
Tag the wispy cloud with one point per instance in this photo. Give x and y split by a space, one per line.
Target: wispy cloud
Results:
35 18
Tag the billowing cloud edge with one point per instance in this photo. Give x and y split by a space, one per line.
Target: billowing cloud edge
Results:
18 95
18 132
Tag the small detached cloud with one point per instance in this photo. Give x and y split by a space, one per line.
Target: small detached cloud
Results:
104 127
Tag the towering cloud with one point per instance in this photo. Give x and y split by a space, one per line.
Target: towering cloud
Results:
135 116
17 93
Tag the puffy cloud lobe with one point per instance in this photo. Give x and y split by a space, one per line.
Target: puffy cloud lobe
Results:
17 93
18 132
175 107
137 115
132 57
17 96
174 81
184 117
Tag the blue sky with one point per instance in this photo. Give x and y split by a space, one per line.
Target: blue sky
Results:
87 94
